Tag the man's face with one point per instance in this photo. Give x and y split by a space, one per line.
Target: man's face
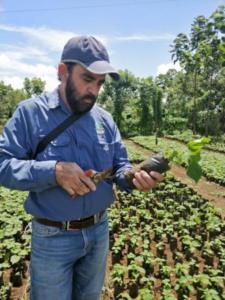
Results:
82 89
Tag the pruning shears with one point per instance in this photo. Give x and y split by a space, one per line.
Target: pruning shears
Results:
97 177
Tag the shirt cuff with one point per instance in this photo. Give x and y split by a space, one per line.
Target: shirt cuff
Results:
45 173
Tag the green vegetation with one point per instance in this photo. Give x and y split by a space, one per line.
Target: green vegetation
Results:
10 97
14 240
216 144
192 98
212 164
169 243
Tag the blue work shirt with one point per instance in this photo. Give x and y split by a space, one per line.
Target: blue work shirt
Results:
92 142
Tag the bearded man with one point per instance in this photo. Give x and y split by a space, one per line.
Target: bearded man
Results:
70 235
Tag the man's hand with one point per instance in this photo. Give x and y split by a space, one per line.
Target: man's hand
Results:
145 182
73 179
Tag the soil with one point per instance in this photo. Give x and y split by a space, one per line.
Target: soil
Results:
208 190
18 293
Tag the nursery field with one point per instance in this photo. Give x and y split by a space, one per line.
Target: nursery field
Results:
165 244
188 135
209 190
212 163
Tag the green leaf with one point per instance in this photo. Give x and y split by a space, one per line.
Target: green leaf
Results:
14 259
196 145
194 171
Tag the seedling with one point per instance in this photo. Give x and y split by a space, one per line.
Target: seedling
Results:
193 168
159 163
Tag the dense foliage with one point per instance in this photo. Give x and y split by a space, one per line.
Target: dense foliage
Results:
14 241
167 244
192 98
213 164
10 97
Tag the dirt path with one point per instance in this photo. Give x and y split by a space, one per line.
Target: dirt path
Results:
208 190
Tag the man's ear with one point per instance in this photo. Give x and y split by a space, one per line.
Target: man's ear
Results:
62 72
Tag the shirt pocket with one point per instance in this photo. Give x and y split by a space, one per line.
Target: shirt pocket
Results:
59 148
104 153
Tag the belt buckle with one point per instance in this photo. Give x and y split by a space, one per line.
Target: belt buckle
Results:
66 226
96 218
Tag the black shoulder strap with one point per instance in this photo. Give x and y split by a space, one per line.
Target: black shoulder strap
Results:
54 133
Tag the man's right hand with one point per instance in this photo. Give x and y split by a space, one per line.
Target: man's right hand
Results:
73 179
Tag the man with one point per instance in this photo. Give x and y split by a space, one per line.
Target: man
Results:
69 229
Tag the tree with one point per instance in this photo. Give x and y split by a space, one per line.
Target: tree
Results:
202 57
34 86
117 94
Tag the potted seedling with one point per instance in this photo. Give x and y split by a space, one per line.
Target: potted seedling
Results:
118 273
158 163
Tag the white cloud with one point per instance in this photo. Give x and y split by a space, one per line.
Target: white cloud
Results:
15 81
24 53
53 39
9 67
30 69
39 51
33 58
47 37
163 68
146 38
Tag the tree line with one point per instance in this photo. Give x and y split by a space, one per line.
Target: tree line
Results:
193 98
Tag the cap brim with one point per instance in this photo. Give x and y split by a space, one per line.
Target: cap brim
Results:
98 67
103 67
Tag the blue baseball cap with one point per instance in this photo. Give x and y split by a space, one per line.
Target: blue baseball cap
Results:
90 54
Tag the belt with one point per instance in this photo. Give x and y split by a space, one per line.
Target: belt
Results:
74 224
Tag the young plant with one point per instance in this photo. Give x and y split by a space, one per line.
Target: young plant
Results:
193 169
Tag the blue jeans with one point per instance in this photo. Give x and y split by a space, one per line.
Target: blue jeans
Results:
68 265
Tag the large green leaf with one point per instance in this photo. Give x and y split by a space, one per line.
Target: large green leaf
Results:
194 171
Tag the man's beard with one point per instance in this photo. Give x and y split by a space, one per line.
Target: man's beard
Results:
78 104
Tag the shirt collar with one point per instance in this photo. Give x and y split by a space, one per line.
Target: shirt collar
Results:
54 100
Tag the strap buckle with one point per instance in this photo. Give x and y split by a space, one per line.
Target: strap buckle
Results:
66 226
96 218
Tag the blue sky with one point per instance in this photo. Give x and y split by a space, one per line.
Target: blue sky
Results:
137 33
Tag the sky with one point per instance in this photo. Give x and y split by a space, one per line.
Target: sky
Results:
137 33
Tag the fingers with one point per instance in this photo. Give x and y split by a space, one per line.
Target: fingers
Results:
73 179
157 176
87 182
81 187
144 181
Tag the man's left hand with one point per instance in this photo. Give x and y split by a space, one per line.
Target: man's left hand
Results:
144 182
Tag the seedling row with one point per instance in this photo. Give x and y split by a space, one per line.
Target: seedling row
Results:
212 163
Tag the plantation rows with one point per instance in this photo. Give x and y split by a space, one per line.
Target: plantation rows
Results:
212 163
166 244
187 135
